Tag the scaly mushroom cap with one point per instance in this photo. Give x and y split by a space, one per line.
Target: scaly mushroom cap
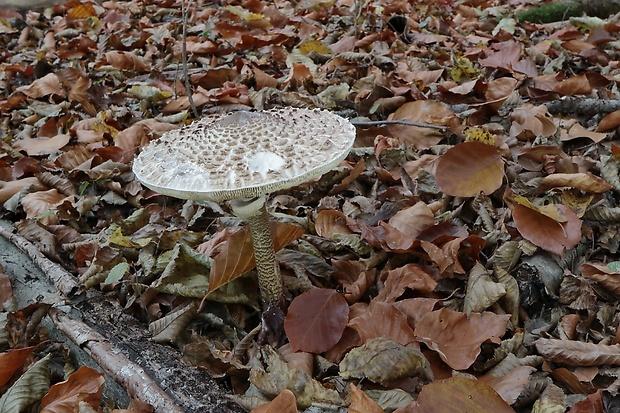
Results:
244 154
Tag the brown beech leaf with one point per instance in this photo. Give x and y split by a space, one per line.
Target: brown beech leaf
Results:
416 308
577 353
577 131
383 320
546 232
591 404
530 121
470 168
126 61
10 188
603 275
422 111
457 337
534 158
284 402
316 320
412 220
42 146
361 402
298 360
85 384
237 255
460 394
39 205
11 361
408 277
583 181
329 222
47 85
510 385
384 361
609 122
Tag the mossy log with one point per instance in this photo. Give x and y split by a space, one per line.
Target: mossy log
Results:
563 10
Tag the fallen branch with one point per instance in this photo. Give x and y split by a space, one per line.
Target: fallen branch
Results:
64 282
126 373
368 123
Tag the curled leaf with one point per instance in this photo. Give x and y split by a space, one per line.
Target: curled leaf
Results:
384 361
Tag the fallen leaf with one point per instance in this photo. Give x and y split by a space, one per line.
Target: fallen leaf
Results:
470 168
361 402
457 337
316 320
577 353
546 232
384 361
460 394
84 385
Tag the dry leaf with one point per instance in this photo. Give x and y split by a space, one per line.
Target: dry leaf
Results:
457 337
470 168
283 403
577 353
361 402
482 291
384 361
546 232
84 385
316 320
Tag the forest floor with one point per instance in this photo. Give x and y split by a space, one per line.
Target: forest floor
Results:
464 257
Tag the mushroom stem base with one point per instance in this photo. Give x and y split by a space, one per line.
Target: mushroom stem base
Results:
269 279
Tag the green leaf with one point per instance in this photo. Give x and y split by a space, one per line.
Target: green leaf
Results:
117 273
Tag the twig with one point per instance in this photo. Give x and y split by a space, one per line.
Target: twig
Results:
64 282
188 86
128 374
365 123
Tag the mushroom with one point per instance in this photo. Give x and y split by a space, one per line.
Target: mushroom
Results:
242 157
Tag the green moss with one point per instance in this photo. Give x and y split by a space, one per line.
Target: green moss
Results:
551 12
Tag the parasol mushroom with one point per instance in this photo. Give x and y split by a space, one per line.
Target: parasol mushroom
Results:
242 157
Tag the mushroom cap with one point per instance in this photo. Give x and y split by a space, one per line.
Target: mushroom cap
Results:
244 154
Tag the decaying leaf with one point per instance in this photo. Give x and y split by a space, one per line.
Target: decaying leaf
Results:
270 374
460 394
482 291
424 111
169 328
510 385
605 275
186 273
237 256
384 361
577 353
29 388
583 181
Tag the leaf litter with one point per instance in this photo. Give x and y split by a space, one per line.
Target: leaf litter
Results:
465 254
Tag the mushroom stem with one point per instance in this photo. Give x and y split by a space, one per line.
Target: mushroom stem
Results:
269 279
